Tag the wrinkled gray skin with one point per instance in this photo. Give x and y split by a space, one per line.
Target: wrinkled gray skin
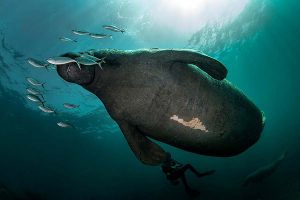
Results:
143 89
264 172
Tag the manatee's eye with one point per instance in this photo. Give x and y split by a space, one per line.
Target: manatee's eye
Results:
72 73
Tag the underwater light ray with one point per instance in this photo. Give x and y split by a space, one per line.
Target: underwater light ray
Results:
150 21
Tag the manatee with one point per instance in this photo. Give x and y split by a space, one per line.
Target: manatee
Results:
175 96
264 172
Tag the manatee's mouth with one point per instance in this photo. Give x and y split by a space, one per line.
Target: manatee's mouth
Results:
72 73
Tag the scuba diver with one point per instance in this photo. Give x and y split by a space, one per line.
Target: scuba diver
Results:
175 171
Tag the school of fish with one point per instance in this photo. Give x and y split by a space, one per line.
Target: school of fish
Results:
37 95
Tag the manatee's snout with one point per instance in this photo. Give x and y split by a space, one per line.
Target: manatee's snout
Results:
72 73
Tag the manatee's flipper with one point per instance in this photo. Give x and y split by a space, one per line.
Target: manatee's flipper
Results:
144 149
211 66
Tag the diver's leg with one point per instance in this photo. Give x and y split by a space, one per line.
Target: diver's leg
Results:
183 179
188 189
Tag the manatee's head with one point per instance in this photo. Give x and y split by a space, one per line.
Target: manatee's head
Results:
72 73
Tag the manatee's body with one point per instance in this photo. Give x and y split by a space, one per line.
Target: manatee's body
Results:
159 94
264 172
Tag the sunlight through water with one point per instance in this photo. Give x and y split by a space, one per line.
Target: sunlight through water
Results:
190 15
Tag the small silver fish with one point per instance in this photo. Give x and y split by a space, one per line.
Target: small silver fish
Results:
86 61
34 92
90 57
34 98
64 125
90 52
99 35
34 82
37 63
46 109
102 60
113 28
61 61
70 106
78 32
65 39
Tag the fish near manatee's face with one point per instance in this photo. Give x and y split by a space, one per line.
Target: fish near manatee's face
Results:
72 73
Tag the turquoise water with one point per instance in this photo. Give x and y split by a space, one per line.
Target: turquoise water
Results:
259 44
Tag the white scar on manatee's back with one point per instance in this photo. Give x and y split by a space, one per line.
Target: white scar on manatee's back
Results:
194 123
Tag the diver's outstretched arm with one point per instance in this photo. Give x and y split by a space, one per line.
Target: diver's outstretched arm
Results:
210 172
188 166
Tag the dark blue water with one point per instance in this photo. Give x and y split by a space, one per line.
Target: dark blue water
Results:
259 44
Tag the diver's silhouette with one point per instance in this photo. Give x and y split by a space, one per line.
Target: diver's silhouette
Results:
175 171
